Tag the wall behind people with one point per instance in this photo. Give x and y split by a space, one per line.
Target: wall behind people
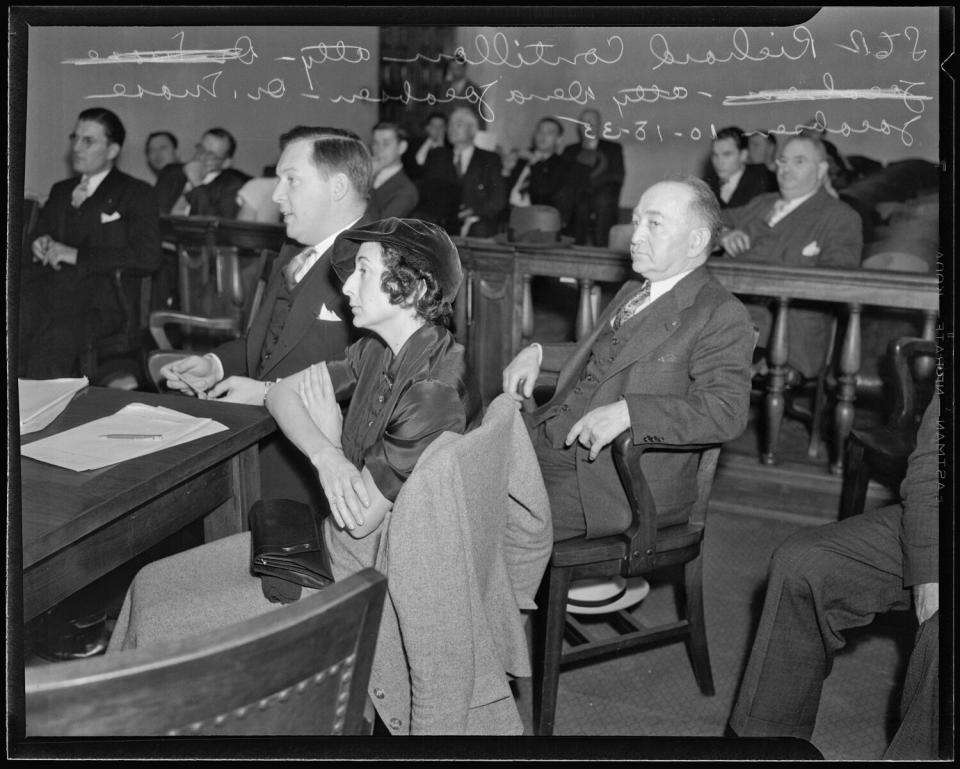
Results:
256 82
662 88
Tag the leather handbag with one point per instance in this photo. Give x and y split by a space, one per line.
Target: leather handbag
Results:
286 543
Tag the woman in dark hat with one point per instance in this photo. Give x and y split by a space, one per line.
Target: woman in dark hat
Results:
407 382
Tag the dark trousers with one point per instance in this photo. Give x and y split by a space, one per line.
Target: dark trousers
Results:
594 213
559 470
822 582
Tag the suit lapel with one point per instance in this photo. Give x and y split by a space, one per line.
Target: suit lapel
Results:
258 329
657 322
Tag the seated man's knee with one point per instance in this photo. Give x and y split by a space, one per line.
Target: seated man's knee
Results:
796 559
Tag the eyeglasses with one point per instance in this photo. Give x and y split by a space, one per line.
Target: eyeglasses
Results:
207 153
85 141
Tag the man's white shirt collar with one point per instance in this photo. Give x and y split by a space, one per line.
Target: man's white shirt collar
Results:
319 250
94 181
661 287
728 187
790 205
387 173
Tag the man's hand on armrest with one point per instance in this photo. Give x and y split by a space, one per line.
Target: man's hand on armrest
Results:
521 373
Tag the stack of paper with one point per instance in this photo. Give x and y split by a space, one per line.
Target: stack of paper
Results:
43 400
135 430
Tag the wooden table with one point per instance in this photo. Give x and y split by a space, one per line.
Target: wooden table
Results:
78 526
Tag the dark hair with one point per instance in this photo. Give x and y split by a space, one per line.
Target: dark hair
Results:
112 127
735 133
401 281
705 207
768 135
223 133
155 134
553 120
386 125
432 115
336 150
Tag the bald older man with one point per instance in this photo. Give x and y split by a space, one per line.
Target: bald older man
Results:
669 360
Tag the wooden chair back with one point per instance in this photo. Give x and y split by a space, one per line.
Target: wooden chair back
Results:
302 669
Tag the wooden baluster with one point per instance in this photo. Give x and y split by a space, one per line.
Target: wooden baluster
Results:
847 390
584 310
526 312
923 364
462 311
774 402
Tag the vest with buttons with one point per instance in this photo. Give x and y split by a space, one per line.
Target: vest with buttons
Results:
606 347
278 319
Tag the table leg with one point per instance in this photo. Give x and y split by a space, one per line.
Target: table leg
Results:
231 516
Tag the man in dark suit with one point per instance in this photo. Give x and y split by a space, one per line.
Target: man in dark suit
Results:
462 188
733 181
161 150
802 225
599 178
546 178
92 223
669 360
392 193
832 578
207 185
323 182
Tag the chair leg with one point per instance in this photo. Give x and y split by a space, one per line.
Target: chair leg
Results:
697 640
856 477
549 646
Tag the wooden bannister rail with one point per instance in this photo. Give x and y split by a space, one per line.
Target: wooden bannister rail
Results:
495 316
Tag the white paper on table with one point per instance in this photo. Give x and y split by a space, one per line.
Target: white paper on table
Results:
43 400
84 447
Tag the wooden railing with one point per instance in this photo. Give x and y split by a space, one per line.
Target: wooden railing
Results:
495 318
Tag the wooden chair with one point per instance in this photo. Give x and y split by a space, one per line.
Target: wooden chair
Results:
302 669
641 549
217 310
883 451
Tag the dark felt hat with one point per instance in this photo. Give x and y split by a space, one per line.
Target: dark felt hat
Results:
428 248
536 226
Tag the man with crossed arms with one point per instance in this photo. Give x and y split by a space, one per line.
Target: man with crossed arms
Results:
669 359
323 182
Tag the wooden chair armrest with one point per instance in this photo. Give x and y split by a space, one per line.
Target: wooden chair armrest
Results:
642 532
161 318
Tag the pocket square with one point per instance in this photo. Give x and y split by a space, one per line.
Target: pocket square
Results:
811 249
106 218
327 314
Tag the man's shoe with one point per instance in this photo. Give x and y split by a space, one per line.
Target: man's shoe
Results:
78 638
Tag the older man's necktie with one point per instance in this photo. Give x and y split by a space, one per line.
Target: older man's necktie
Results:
81 192
776 212
293 267
458 162
634 304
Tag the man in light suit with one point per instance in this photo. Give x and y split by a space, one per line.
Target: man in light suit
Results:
207 185
802 225
826 580
669 360
92 223
462 188
323 182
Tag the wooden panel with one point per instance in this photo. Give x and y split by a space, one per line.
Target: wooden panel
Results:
48 582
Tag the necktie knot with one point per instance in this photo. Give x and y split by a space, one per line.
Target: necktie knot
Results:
294 266
81 192
633 305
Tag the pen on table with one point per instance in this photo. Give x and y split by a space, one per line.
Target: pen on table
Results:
133 436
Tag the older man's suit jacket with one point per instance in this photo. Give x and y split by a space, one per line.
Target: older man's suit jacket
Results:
464 550
684 372
756 180
820 232
306 339
218 198
481 188
397 196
